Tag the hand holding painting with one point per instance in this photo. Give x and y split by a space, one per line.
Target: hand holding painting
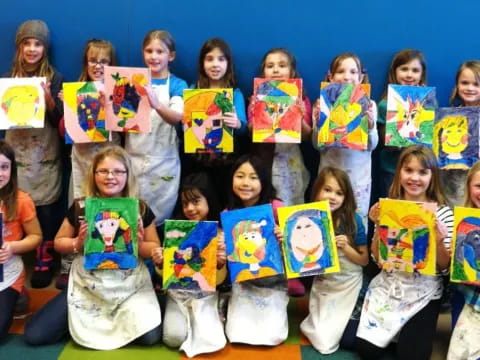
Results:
157 256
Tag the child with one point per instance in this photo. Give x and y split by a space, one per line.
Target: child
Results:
257 312
346 68
333 296
37 150
405 305
102 309
216 70
97 54
464 343
408 67
155 156
192 320
21 233
289 175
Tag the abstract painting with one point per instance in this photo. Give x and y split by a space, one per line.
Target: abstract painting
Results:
83 112
465 264
111 241
343 121
190 255
252 248
455 137
203 126
308 240
127 108
22 102
407 236
410 115
277 115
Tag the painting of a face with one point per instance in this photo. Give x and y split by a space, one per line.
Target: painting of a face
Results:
107 228
306 240
455 135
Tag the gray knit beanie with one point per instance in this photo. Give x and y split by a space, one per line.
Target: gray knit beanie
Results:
36 29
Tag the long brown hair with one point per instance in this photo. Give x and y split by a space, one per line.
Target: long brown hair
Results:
228 80
474 66
467 202
427 159
337 61
8 194
43 67
344 217
97 45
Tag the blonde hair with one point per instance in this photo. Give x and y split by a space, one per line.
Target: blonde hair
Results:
337 61
97 45
474 66
467 202
43 68
427 159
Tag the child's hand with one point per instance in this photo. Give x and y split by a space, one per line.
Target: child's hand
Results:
221 250
82 234
231 120
157 256
301 106
315 111
370 116
374 213
342 241
6 253
140 230
152 98
49 102
441 231
102 98
278 233
60 95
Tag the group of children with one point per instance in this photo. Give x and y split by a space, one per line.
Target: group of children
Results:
108 309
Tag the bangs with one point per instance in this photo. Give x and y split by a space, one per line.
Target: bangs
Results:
191 195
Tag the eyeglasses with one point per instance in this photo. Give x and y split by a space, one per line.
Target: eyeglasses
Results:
95 62
114 172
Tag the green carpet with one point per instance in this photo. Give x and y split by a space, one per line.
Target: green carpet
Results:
15 349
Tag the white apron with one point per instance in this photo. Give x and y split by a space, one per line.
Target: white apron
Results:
257 315
289 175
12 269
108 309
332 300
156 161
391 300
465 341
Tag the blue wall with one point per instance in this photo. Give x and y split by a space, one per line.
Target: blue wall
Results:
446 31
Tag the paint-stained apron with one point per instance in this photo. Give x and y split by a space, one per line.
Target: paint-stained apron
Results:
391 300
108 309
156 161
332 300
465 341
12 269
289 175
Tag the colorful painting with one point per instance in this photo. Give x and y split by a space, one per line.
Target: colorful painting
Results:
252 248
455 137
127 108
83 112
277 115
308 240
203 126
465 264
190 255
407 236
410 115
343 120
22 102
111 241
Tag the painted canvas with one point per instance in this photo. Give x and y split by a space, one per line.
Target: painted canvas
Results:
410 115
465 264
22 102
203 126
277 115
84 115
308 240
190 255
407 236
252 248
111 241
343 121
455 137
127 108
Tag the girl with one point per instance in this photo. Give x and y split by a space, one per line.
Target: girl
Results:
464 342
347 68
325 324
400 304
38 150
155 156
21 233
192 320
408 67
97 54
216 70
102 309
257 312
289 175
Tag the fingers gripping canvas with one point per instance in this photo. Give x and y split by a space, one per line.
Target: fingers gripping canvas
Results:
111 241
308 240
252 248
189 257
